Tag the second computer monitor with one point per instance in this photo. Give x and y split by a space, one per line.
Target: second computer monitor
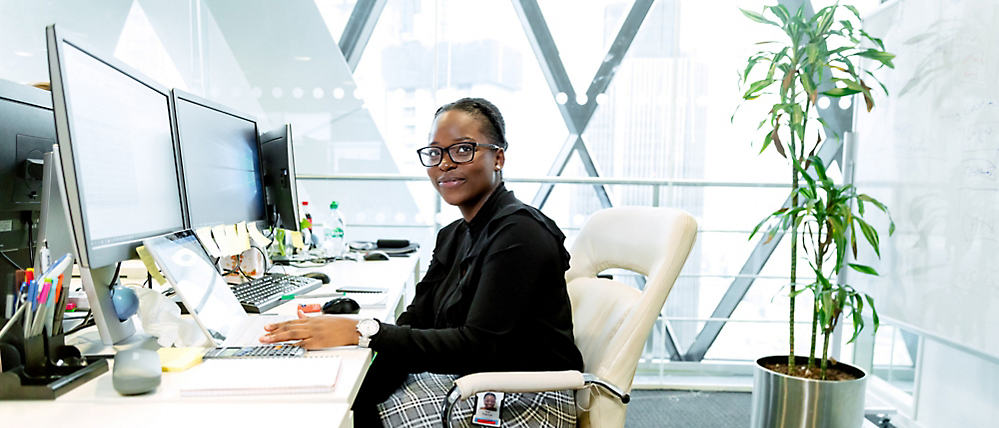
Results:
220 162
278 154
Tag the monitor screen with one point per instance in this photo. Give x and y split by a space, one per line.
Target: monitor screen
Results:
119 166
220 163
118 153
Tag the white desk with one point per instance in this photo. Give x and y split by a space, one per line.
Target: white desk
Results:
97 404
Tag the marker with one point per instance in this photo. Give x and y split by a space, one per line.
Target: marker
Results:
311 296
311 307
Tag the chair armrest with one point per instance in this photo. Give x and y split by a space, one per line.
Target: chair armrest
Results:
472 384
518 382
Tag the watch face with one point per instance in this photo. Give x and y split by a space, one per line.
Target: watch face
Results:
367 327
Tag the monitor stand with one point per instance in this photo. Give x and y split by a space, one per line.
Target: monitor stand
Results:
97 284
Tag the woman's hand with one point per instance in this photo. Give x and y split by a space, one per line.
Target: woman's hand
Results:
324 331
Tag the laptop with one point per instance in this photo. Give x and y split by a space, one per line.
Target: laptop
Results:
205 294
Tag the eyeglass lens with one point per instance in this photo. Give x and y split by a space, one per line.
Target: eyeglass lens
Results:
459 153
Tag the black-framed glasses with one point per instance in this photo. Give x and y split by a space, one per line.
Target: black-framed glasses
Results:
459 153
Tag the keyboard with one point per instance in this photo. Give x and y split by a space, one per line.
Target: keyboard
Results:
261 294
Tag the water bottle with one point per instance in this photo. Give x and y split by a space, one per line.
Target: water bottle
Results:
334 243
308 235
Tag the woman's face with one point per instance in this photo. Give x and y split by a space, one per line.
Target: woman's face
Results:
465 185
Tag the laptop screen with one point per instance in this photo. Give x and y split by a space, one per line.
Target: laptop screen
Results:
205 293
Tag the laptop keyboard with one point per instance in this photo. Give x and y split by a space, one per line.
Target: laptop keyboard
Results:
262 294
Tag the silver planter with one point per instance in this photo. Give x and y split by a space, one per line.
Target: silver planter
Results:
785 401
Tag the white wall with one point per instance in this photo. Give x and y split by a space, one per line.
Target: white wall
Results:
956 388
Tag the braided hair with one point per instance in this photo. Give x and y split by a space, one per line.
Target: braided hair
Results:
487 114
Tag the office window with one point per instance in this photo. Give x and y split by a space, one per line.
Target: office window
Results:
664 115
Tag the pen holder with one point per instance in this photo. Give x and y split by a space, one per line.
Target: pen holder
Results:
49 368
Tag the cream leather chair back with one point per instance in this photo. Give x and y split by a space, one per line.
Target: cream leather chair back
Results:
611 320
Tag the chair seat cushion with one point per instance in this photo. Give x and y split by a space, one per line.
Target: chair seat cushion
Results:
418 401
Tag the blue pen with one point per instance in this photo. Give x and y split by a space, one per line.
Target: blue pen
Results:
32 294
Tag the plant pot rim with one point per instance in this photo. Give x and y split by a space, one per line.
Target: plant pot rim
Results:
862 374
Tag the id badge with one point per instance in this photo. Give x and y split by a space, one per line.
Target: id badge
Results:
487 409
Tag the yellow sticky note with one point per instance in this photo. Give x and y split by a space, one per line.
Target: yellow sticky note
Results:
150 264
179 359
296 240
218 232
205 236
257 237
242 237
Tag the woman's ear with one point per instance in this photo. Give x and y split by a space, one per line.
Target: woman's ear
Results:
500 159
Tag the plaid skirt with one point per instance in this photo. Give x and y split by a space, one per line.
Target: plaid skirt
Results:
418 401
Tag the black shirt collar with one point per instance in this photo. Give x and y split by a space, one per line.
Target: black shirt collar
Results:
488 210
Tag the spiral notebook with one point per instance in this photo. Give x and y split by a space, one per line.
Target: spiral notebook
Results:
258 376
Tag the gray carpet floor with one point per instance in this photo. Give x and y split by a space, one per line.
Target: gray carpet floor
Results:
688 409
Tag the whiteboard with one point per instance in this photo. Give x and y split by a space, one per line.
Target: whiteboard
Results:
930 151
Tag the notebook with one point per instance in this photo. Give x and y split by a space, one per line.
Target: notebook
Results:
256 376
205 294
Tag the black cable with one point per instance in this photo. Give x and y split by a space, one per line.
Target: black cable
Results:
31 249
114 279
10 261
87 322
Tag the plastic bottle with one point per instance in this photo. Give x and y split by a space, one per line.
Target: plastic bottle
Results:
334 242
306 225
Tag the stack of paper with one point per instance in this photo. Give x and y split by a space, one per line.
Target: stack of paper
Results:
255 376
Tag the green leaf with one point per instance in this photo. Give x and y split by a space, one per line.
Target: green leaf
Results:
757 86
864 269
758 17
781 12
854 10
874 312
878 55
840 92
870 234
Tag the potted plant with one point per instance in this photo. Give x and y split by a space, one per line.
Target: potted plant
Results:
817 57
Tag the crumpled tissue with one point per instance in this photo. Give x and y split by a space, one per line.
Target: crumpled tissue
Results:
160 317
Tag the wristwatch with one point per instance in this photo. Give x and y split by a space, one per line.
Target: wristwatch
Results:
367 328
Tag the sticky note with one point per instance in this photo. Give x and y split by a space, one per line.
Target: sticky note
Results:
179 359
242 237
150 264
296 240
257 237
205 236
222 238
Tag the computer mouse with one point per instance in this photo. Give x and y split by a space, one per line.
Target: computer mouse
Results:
376 255
341 305
136 371
318 275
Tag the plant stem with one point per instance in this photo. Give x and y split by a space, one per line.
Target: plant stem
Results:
825 353
820 253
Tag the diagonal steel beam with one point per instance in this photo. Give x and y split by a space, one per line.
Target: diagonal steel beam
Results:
576 116
358 31
549 59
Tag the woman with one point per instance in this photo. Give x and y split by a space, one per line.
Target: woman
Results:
493 298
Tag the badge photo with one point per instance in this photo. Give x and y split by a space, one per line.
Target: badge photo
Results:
487 409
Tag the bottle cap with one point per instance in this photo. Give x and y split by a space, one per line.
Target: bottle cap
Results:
334 205
305 202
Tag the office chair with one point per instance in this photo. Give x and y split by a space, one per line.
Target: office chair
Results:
611 320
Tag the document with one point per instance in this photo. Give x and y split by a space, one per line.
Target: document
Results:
257 376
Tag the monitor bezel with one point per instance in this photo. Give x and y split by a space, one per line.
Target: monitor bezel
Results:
88 255
176 94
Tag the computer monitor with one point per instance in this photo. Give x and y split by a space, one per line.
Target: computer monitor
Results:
119 167
27 131
278 154
220 163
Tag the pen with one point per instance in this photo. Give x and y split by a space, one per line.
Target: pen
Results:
312 296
